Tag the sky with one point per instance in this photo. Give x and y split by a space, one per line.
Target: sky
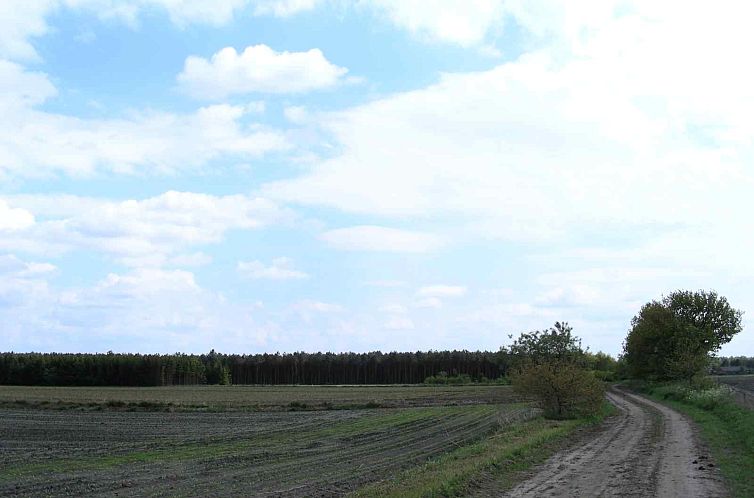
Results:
323 175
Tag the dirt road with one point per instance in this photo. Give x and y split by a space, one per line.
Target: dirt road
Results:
647 450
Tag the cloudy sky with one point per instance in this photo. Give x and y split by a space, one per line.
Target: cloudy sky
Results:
281 175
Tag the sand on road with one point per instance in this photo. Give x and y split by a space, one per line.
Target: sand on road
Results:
647 450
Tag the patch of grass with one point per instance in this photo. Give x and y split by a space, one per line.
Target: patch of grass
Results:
502 456
727 428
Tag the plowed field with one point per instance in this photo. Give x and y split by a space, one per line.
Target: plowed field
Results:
252 398
250 453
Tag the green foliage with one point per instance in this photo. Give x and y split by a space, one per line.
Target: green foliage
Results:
443 379
601 361
216 371
565 390
706 398
673 338
552 366
556 344
57 369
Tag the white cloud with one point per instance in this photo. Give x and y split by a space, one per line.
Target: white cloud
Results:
396 309
20 20
12 265
296 114
24 290
193 259
429 302
377 238
160 310
577 295
20 88
442 291
36 143
307 306
594 130
399 323
283 8
257 69
465 23
431 296
386 283
14 218
150 232
280 269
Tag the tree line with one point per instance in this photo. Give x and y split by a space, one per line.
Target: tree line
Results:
116 369
70 369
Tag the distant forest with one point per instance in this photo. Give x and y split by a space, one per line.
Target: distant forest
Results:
116 369
111 369
214 368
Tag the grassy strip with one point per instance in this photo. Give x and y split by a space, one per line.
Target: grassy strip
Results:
504 455
727 428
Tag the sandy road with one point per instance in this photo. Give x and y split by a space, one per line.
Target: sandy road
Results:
647 450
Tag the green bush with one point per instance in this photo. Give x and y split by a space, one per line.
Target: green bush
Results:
443 378
563 389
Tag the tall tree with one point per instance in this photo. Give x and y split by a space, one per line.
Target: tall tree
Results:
674 338
552 366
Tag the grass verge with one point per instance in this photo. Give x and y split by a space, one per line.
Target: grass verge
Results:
501 457
726 428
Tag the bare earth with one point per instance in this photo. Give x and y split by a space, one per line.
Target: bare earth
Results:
647 450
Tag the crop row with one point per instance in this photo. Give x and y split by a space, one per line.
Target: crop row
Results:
290 453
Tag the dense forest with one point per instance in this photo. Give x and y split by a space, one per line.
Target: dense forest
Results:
116 369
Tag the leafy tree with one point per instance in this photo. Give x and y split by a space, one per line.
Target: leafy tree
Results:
674 338
555 344
564 390
552 366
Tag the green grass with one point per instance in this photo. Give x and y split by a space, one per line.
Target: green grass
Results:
502 456
727 428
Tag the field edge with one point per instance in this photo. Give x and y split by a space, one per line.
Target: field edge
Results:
499 461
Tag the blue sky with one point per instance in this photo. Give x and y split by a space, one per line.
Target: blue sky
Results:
288 175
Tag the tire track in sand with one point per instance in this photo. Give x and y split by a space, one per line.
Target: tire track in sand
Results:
646 450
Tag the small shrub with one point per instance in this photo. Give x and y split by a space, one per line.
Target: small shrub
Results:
444 379
297 405
563 389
